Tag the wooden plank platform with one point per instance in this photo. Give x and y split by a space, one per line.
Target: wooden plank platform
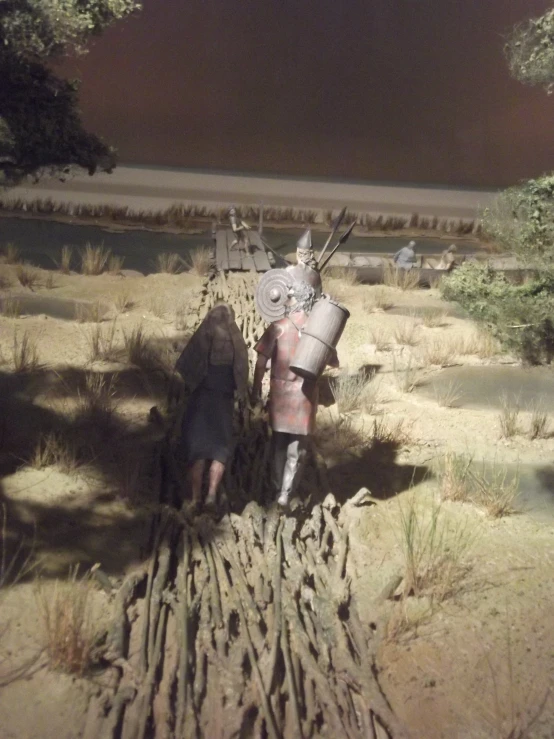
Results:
240 259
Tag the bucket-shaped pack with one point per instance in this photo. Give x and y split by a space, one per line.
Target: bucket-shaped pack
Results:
319 338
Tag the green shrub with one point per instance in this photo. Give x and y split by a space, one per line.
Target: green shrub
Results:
519 316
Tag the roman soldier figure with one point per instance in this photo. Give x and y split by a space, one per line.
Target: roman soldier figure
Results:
240 230
305 269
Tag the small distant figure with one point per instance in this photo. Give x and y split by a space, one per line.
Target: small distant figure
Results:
240 229
305 269
214 365
448 258
406 257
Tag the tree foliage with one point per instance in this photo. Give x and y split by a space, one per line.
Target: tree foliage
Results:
519 315
40 126
530 51
521 219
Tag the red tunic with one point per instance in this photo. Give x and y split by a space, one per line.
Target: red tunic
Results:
292 399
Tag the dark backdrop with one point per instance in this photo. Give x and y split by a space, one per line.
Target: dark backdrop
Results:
384 90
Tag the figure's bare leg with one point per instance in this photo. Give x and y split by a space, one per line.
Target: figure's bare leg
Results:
216 474
196 473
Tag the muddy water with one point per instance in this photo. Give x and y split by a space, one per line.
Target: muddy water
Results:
66 309
482 387
40 242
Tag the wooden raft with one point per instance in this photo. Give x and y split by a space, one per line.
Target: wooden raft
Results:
238 258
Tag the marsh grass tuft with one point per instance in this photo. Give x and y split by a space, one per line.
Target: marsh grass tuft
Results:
496 490
380 337
27 275
454 474
69 628
539 427
438 352
339 435
402 279
101 343
115 264
64 265
55 450
24 353
406 377
509 415
406 332
379 299
10 307
169 263
433 317
352 392
434 550
94 259
200 261
449 394
396 434
88 312
123 301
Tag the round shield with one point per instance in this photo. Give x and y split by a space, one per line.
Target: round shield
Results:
272 294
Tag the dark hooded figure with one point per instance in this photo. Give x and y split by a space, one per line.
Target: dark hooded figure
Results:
214 365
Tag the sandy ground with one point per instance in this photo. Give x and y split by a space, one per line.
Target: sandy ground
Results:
479 663
153 189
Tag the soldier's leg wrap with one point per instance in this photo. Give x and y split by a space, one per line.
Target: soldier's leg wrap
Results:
280 443
296 456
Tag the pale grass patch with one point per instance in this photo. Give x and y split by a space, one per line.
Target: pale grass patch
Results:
406 616
55 450
438 352
50 281
380 337
123 301
94 259
408 376
480 344
200 260
508 417
391 433
27 275
64 265
406 332
115 264
10 307
337 289
101 342
402 279
347 275
539 426
24 353
496 491
454 474
88 312
433 317
449 394
379 299
11 253
69 626
434 547
352 392
169 263
158 307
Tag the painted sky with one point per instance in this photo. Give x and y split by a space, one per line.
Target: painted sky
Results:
385 90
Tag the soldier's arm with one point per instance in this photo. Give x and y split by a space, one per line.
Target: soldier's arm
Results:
259 371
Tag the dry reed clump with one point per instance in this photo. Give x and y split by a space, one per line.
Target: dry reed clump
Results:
380 337
339 435
454 474
98 398
401 279
433 317
123 302
438 353
408 376
169 263
55 450
115 264
158 307
337 289
494 490
200 261
508 418
391 433
10 307
480 344
24 353
101 343
64 265
434 549
94 259
69 627
449 394
10 253
89 312
346 275
353 392
539 426
379 299
406 332
27 275
143 355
